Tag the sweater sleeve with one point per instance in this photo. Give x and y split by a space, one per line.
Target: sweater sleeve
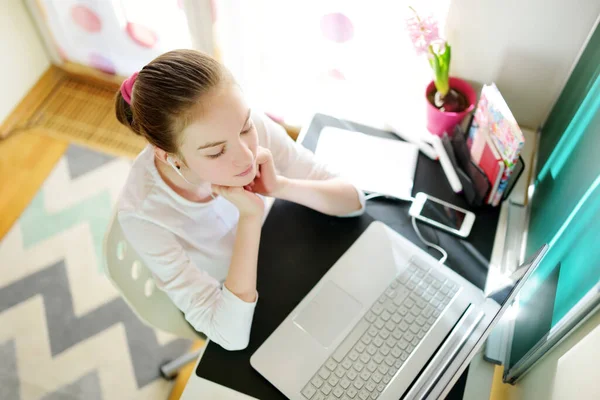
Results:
293 160
207 304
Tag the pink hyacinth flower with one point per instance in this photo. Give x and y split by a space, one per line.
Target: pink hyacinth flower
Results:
422 32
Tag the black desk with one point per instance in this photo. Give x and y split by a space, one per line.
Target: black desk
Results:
299 245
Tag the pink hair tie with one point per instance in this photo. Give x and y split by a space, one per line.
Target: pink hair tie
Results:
127 87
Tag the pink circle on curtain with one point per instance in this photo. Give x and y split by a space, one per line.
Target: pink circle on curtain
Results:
337 27
180 4
336 74
141 35
102 63
86 18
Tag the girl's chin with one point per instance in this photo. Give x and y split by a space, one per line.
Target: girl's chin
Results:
240 180
247 179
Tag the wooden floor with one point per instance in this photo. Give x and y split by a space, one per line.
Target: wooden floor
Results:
500 390
26 159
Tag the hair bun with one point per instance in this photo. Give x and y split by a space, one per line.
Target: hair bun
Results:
125 113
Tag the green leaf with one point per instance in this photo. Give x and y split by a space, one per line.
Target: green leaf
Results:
441 69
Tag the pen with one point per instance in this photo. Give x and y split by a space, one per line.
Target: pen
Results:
447 166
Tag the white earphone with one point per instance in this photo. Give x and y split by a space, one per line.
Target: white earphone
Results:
177 170
172 164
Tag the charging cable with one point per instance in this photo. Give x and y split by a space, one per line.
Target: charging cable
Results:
414 224
427 243
375 195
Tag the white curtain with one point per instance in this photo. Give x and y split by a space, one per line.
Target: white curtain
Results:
115 36
349 58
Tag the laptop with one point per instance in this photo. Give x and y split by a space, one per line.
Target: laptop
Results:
387 321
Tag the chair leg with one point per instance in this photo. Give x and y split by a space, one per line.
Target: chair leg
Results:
185 373
170 369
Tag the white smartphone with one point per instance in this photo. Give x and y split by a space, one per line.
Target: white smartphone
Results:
442 215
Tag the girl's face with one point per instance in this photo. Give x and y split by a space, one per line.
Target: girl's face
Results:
220 144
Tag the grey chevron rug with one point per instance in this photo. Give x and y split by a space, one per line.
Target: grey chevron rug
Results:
64 331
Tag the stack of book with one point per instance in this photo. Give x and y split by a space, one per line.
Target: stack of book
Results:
495 141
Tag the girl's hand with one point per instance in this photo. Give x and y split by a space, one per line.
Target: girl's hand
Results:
248 203
266 181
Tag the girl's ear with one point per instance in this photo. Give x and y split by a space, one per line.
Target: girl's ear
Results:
161 154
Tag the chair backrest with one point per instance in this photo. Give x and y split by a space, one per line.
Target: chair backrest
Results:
133 280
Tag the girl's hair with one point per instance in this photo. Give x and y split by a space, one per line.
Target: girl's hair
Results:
164 94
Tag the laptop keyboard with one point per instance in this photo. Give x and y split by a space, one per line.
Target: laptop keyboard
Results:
382 341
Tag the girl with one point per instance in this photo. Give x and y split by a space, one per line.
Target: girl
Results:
192 206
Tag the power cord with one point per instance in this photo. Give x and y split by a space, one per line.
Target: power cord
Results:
414 224
375 195
435 246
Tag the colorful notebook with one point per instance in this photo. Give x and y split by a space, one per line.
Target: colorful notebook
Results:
494 120
486 156
493 164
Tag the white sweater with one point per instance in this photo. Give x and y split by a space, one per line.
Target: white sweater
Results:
188 246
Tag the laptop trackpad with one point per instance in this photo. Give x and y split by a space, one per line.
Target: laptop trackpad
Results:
328 313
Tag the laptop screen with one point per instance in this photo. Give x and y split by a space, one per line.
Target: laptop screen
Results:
507 291
504 296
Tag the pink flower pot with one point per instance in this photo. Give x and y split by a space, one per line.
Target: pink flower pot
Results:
438 121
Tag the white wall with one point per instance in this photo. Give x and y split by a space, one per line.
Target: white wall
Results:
526 46
22 55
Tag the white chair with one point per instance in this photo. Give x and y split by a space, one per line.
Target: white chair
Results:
133 280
